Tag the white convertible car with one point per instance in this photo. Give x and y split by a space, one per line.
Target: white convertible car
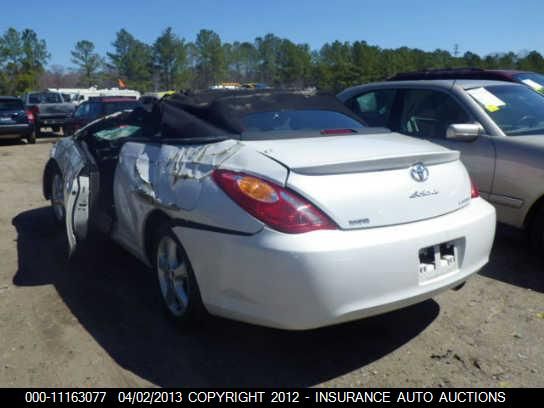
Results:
275 208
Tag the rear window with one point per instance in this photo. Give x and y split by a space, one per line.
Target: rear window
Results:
293 120
44 97
112 107
11 104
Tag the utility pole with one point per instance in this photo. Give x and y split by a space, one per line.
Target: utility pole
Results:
455 50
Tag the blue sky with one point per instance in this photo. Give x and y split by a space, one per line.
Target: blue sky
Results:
480 26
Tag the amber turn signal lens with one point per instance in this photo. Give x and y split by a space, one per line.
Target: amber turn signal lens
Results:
257 189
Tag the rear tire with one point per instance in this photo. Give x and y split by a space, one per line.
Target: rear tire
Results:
177 285
57 197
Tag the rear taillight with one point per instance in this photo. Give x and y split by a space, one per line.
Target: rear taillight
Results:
474 193
276 206
30 116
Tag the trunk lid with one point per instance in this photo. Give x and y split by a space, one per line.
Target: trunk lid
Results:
365 181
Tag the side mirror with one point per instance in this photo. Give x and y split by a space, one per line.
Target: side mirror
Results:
464 132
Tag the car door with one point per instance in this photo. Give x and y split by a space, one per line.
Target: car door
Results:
79 174
427 113
91 160
146 179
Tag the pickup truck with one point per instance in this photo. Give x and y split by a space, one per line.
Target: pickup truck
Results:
49 109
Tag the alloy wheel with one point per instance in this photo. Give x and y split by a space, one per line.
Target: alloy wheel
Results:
173 275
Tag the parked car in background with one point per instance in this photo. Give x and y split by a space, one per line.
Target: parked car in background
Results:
15 121
275 208
533 80
497 126
95 108
49 110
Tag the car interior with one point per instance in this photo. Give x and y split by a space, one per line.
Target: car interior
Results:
427 114
104 140
416 112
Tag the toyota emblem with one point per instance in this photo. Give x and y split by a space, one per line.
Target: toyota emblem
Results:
419 172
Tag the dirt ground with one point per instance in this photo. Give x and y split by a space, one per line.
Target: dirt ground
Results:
94 322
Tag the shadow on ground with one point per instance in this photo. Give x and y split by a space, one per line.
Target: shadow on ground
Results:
46 137
110 294
512 262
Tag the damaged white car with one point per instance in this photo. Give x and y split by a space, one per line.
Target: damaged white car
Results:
275 208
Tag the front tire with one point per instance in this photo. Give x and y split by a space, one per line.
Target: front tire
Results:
57 197
178 287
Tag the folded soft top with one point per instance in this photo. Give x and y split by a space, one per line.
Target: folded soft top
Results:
219 113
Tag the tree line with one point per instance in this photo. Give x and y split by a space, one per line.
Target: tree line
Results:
171 62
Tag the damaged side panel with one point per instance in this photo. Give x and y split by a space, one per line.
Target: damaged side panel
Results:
175 179
250 161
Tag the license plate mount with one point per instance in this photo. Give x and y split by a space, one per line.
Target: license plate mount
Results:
438 260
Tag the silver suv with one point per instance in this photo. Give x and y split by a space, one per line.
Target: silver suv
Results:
497 126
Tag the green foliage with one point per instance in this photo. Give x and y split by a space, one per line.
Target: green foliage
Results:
242 60
132 61
267 53
88 61
532 62
211 64
170 59
294 63
172 63
22 60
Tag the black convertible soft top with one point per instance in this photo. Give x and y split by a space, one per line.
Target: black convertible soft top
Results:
218 114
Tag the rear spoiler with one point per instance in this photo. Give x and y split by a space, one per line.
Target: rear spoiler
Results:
381 163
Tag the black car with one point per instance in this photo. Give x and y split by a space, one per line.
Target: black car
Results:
15 121
97 107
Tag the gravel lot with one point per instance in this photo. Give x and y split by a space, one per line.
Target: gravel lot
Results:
94 322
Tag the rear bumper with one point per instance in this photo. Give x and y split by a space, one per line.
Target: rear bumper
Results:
15 131
322 278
